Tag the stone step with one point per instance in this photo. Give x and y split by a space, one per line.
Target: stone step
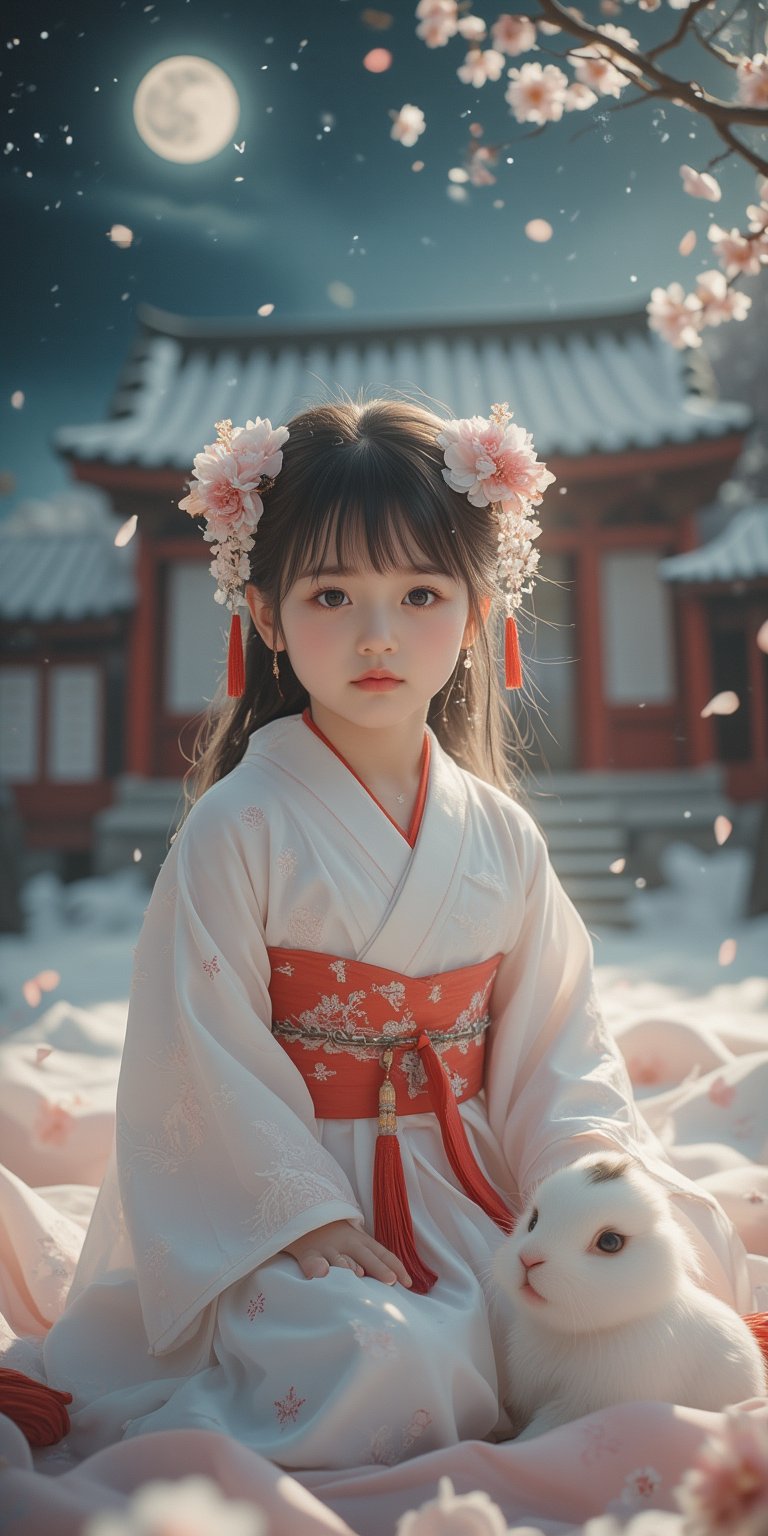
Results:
589 862
602 888
598 915
597 836
646 781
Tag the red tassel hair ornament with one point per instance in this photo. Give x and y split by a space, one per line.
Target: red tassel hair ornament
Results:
513 669
235 663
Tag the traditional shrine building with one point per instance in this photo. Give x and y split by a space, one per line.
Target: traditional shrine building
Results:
619 659
67 596
729 577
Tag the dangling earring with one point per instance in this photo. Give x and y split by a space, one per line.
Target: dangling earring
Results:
468 658
276 672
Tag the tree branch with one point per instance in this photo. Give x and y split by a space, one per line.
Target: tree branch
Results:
682 92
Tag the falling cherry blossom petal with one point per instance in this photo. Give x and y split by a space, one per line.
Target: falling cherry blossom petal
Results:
121 236
377 61
31 993
727 952
17 399
539 230
725 703
618 866
762 638
126 531
265 309
688 243
723 830
47 980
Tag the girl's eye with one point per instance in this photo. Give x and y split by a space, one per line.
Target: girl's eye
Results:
330 592
610 1242
422 592
533 1221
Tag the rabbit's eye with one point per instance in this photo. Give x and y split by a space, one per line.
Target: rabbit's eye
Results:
610 1242
533 1221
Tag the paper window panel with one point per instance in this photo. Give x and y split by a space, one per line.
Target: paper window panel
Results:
74 724
19 724
196 638
637 630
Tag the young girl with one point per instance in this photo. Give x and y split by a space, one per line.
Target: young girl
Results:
363 1020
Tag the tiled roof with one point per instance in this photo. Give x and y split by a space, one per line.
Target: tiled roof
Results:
739 553
58 561
579 385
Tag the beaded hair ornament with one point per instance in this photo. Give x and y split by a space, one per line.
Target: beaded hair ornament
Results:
490 460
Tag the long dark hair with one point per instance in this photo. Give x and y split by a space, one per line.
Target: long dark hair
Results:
365 479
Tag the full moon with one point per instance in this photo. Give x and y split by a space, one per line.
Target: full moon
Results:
186 109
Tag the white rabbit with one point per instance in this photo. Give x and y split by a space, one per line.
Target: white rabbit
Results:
604 1306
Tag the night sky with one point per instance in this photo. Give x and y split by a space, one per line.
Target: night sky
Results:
327 197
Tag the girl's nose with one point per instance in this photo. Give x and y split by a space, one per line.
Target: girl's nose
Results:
377 635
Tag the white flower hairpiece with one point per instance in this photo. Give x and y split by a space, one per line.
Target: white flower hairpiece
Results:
493 462
231 474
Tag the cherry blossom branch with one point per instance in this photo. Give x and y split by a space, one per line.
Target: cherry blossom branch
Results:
688 94
677 37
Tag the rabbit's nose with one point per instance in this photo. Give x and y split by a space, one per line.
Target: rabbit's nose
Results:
529 1263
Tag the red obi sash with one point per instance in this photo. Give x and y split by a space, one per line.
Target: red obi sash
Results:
371 1042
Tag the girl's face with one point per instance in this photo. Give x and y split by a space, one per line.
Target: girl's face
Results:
411 622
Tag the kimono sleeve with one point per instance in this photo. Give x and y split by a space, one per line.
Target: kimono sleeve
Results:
218 1158
556 1083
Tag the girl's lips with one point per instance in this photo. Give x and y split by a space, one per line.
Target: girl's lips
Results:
378 684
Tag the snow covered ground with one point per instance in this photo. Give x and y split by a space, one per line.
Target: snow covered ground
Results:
690 945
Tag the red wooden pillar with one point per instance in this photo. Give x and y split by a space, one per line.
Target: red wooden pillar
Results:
695 681
141 712
588 611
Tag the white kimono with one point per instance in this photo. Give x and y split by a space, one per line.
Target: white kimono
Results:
185 1311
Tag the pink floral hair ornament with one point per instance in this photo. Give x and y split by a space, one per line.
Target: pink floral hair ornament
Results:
494 463
231 475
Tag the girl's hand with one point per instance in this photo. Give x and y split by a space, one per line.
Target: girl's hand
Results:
344 1246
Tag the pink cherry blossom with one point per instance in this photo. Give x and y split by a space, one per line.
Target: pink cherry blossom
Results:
471 28
514 34
228 477
492 461
438 21
578 97
752 78
481 65
726 1489
600 67
736 253
676 315
536 93
719 301
408 123
700 184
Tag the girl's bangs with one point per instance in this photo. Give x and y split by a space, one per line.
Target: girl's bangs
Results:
354 535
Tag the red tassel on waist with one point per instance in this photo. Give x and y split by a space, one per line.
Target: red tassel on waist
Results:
513 669
235 663
458 1150
392 1223
37 1410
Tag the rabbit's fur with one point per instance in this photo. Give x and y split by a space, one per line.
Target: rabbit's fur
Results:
618 1326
